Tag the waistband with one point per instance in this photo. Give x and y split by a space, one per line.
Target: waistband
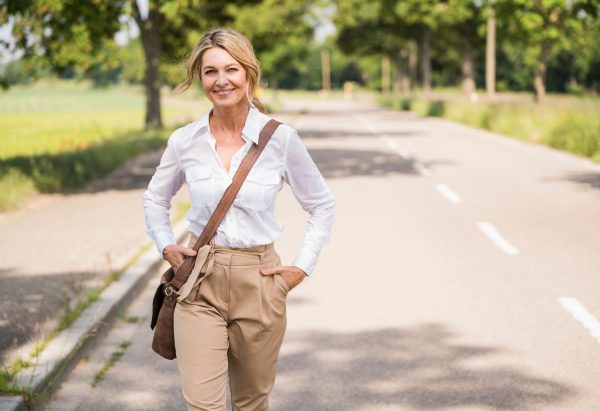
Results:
212 253
220 249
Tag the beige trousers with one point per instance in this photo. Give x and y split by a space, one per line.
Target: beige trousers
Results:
230 321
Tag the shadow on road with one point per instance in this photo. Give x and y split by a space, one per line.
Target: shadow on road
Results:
336 163
31 306
423 367
591 180
341 133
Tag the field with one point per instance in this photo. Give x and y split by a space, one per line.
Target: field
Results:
57 135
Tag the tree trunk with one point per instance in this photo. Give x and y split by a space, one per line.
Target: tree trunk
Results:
540 73
385 74
412 64
325 72
490 53
425 59
402 80
150 35
468 69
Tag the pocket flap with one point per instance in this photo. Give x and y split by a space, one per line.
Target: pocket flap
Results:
264 176
197 173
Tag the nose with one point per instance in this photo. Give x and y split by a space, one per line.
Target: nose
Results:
221 79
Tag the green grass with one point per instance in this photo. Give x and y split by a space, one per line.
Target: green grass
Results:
114 357
58 135
564 122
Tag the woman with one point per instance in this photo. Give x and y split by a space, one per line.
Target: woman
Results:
233 319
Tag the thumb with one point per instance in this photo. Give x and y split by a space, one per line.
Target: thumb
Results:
189 251
270 271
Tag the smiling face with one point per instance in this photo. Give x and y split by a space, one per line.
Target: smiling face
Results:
223 79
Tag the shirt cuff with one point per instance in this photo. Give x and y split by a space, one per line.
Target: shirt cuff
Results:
162 240
306 260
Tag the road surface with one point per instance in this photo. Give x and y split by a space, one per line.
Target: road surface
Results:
463 273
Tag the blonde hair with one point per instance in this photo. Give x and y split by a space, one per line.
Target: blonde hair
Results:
240 48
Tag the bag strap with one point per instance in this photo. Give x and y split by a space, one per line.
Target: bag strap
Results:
185 269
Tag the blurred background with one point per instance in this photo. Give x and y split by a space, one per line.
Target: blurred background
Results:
82 77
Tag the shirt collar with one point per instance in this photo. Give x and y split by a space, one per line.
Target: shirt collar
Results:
251 128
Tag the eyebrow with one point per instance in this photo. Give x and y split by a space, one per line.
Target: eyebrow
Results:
227 65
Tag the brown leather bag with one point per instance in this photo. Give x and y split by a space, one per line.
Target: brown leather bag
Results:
165 297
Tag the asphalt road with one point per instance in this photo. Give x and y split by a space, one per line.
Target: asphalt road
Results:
463 273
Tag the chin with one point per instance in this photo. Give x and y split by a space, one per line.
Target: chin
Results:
227 103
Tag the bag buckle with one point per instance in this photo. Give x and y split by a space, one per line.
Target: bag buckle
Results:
168 290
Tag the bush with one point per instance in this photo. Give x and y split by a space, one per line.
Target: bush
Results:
577 134
436 108
15 187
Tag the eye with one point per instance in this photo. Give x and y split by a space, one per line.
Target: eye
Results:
232 69
209 71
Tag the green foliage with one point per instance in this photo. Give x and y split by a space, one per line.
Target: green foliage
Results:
114 358
578 134
70 34
542 31
280 33
15 187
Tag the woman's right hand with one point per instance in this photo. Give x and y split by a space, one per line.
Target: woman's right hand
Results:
175 255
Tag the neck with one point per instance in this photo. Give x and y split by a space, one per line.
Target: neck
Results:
229 119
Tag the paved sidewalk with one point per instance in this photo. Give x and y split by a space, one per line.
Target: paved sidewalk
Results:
59 246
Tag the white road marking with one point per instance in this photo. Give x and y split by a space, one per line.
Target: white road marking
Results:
4 323
448 193
405 154
497 239
582 315
367 124
402 152
390 141
421 169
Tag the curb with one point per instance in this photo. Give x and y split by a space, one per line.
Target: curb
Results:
63 353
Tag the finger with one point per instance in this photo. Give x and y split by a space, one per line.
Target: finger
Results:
188 251
270 271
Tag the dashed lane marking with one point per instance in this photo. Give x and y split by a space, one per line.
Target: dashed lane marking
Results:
421 169
448 193
493 234
581 314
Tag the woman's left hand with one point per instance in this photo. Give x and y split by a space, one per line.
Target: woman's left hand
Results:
292 275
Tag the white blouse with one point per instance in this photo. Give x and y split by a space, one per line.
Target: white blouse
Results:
191 157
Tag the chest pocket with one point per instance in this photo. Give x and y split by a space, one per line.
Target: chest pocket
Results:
201 184
259 189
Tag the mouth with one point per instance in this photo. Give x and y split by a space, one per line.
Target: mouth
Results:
223 92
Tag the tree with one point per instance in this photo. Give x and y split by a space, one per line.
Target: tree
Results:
388 27
545 26
71 34
372 28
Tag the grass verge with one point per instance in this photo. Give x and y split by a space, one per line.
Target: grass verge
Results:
563 122
49 173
